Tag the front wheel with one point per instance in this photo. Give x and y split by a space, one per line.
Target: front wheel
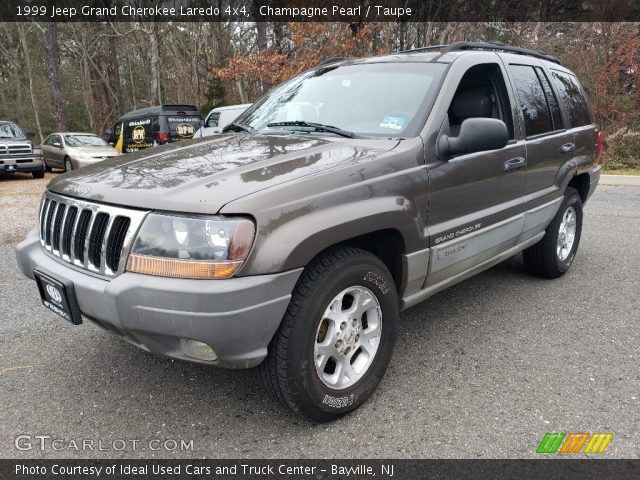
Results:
552 256
39 173
337 337
67 165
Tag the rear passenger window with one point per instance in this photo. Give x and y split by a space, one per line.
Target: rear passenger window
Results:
533 102
573 98
554 108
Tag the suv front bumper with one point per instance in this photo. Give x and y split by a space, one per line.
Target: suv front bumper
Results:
236 317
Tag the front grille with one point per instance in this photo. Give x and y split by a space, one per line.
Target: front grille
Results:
19 149
89 235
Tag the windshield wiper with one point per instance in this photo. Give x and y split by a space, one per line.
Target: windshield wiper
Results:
237 127
319 127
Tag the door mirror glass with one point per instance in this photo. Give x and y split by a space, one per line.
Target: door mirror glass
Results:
476 135
29 134
57 144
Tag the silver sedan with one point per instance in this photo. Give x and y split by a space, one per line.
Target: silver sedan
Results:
74 150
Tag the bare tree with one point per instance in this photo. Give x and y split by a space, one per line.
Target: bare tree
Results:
53 73
27 61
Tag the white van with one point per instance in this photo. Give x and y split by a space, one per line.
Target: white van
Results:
219 118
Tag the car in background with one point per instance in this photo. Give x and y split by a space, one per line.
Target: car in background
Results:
219 118
153 126
72 150
17 152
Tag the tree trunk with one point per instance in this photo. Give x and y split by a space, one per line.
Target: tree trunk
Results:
261 38
154 44
27 61
114 74
53 72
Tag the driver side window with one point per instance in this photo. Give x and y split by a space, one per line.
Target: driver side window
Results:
481 93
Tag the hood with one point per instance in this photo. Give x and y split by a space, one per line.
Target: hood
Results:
93 151
201 176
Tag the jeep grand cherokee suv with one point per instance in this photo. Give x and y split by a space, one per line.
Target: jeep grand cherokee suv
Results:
17 153
347 194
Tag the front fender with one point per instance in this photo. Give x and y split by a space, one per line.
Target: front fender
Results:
294 243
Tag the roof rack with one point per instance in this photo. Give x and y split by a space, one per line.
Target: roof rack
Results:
329 61
498 46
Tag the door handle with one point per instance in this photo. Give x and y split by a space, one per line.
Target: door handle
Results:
568 147
514 164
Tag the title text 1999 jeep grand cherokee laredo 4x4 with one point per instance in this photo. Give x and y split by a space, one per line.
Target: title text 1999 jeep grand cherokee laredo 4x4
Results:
346 194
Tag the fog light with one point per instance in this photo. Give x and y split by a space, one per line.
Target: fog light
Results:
199 350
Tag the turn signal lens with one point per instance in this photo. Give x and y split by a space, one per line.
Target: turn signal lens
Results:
193 269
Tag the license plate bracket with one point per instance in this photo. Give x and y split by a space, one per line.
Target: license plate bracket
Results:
59 296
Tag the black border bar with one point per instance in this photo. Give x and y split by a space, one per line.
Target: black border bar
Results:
547 468
320 10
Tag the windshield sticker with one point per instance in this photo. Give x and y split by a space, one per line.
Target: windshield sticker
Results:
395 123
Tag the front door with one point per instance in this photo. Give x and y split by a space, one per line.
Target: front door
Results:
475 200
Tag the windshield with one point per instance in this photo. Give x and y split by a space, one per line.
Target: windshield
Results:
84 141
11 130
379 99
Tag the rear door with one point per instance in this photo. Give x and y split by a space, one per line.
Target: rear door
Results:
183 126
475 210
577 114
137 134
549 143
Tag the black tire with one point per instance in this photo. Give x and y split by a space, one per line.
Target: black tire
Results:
542 258
68 166
47 168
289 371
39 173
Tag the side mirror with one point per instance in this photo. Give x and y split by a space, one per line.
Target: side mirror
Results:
29 134
56 144
476 135
108 131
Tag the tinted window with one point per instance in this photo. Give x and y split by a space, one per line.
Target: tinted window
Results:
533 102
554 108
573 98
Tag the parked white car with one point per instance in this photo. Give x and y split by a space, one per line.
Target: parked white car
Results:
219 118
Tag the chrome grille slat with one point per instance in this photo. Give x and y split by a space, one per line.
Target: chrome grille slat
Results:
88 235
53 207
57 227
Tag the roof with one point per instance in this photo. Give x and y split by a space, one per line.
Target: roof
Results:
231 107
438 53
160 109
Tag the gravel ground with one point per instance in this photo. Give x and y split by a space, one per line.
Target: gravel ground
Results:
481 370
19 199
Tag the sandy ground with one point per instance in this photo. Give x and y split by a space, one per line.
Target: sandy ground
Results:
19 200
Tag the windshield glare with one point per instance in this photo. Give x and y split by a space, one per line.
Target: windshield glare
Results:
379 99
11 130
84 141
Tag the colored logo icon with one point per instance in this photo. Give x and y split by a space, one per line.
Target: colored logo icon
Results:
575 442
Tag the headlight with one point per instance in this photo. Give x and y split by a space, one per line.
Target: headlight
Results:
198 247
37 151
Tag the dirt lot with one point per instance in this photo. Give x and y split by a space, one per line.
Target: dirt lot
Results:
19 200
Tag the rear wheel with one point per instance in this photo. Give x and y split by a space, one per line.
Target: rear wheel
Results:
337 337
67 164
552 256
